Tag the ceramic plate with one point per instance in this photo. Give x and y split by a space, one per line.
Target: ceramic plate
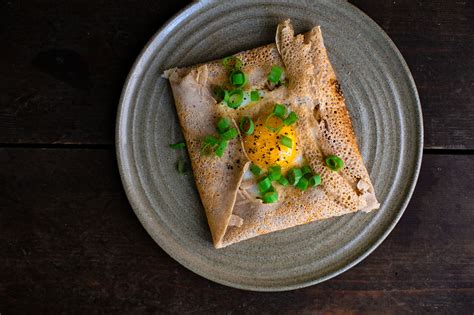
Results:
382 100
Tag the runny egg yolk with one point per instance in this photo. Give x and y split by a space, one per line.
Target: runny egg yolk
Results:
264 146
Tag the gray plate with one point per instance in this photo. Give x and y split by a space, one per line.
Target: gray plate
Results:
385 109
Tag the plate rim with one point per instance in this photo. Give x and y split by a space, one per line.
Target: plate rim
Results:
126 183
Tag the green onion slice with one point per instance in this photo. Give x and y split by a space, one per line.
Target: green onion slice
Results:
302 184
334 162
221 148
237 78
178 145
294 175
220 94
232 62
206 149
283 181
246 125
292 118
236 98
255 169
280 111
209 143
223 125
264 185
229 134
254 96
275 74
315 180
306 170
286 141
270 197
277 129
274 172
211 140
181 166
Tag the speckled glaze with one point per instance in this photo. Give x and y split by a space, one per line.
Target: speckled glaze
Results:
381 97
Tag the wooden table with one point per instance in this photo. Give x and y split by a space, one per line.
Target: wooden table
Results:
69 241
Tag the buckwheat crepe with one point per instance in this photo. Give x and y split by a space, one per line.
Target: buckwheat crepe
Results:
324 128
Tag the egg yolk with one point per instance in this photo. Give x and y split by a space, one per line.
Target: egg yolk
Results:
264 146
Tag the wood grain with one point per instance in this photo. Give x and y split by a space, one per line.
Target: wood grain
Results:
69 240
65 64
71 243
436 38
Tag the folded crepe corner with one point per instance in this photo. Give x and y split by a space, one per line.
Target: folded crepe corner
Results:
315 95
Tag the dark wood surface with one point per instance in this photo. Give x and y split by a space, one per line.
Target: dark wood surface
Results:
69 241
64 64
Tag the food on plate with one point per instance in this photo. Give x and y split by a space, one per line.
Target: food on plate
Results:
270 139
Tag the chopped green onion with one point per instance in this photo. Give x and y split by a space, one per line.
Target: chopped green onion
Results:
220 94
294 175
221 148
274 172
280 111
178 145
334 162
292 117
275 74
315 180
255 169
246 125
283 181
211 140
232 62
264 185
209 143
254 96
229 134
302 184
270 127
236 98
306 170
181 166
270 197
223 125
286 141
206 149
237 78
